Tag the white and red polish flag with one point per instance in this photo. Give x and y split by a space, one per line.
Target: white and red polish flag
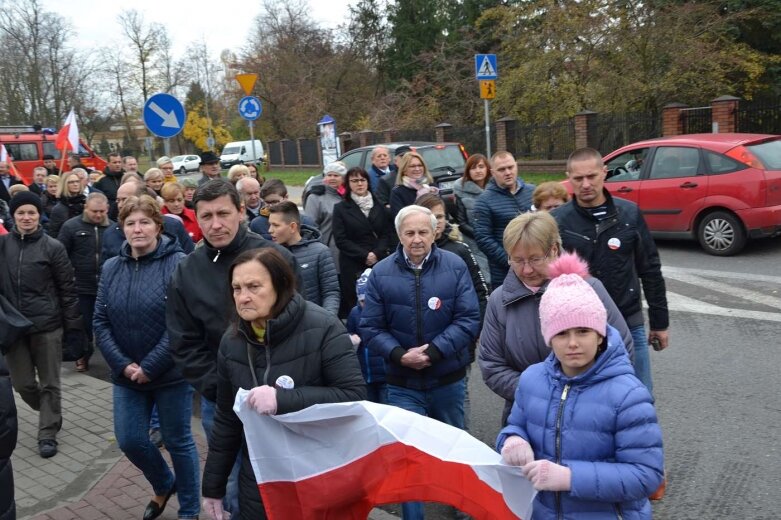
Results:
3 153
68 136
337 461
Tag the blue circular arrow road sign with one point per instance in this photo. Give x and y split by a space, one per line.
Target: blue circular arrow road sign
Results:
164 115
250 108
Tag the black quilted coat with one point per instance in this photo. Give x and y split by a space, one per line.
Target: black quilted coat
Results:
306 343
8 430
129 322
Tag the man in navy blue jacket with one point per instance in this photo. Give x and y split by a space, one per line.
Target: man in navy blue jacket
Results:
505 197
421 314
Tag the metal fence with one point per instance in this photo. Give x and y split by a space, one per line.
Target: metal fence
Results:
698 120
760 117
535 142
472 137
419 134
609 132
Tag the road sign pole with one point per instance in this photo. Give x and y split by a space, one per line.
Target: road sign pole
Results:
487 129
167 146
252 138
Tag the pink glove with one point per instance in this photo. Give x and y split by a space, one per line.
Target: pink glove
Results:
264 399
548 476
213 508
516 451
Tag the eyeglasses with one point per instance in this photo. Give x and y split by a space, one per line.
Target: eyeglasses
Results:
533 262
415 167
358 180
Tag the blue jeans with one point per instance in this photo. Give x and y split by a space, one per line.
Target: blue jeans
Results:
231 500
445 404
132 409
642 357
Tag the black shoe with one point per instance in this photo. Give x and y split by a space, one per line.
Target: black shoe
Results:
153 510
155 437
47 448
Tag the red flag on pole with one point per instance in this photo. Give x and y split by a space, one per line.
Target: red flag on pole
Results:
68 136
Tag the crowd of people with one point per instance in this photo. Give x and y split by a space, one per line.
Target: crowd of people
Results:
374 291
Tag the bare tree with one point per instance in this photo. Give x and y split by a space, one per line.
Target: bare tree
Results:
145 41
41 74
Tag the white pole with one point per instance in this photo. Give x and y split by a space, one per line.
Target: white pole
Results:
252 137
487 130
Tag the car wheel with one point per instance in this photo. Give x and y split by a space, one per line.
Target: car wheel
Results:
182 171
721 233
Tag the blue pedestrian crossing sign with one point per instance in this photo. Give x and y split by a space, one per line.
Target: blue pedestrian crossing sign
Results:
164 115
250 108
485 66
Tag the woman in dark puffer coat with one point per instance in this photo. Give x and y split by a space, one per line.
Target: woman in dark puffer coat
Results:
70 203
130 330
8 431
301 355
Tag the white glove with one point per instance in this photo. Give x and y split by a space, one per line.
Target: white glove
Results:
516 451
356 339
548 476
213 508
263 399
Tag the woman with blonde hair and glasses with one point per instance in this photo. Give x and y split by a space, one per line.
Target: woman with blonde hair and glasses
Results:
413 181
511 339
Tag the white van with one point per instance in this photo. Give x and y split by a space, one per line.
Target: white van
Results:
240 152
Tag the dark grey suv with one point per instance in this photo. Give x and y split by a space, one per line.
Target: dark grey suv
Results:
445 161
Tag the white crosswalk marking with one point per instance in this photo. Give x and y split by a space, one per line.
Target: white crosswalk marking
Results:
730 284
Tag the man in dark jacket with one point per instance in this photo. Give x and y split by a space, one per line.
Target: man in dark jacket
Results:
421 314
381 166
8 433
38 184
37 279
82 237
199 302
273 192
210 167
313 257
109 184
6 181
612 236
505 197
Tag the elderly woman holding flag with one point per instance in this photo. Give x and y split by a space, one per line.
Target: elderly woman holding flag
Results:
289 352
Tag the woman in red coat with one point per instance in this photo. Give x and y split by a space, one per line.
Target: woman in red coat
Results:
173 204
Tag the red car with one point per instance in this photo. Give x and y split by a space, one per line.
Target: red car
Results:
718 188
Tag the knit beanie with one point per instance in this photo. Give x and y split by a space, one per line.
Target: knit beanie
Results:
336 167
360 285
569 301
25 197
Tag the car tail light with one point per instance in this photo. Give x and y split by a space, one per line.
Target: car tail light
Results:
463 151
743 155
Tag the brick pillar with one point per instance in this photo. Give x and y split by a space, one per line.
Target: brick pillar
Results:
583 122
724 114
365 137
672 120
388 135
442 131
505 135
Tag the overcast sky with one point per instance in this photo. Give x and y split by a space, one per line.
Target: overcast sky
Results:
224 24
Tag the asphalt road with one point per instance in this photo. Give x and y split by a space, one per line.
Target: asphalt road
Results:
716 386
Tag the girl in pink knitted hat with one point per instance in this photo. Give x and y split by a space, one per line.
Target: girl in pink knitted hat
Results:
583 428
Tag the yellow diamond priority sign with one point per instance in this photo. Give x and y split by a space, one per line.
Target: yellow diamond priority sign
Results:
247 82
487 89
